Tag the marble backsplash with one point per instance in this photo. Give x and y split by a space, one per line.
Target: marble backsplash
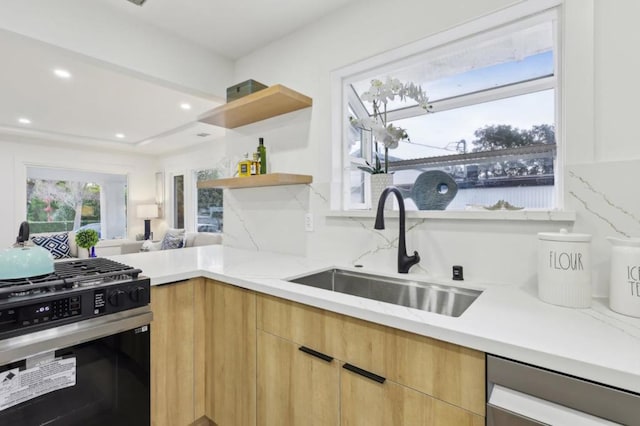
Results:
505 252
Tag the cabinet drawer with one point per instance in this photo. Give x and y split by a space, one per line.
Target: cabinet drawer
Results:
367 403
294 387
443 370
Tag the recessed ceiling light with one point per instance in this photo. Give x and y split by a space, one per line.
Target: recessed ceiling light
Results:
120 135
185 106
23 120
59 72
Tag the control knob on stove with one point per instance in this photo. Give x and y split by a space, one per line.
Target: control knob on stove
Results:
116 298
137 294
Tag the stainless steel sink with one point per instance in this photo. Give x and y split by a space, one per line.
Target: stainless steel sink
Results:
437 298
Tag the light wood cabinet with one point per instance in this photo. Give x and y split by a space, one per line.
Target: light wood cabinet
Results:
175 348
230 355
431 367
295 387
222 355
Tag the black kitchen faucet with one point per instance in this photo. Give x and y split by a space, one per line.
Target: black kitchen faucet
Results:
405 262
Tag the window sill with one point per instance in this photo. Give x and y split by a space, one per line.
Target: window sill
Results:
502 215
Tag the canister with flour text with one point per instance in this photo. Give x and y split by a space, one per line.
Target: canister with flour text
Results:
564 268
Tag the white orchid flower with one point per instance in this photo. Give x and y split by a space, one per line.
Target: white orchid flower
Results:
379 94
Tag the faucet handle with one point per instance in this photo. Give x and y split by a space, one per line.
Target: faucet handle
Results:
405 262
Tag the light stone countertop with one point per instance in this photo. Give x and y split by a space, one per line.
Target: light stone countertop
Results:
596 343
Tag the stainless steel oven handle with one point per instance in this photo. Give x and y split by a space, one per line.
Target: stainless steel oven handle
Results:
21 347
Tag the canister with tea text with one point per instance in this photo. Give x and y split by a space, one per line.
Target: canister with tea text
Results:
564 268
624 282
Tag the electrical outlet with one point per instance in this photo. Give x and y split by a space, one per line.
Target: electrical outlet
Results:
308 222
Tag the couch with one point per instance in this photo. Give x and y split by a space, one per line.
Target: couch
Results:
191 239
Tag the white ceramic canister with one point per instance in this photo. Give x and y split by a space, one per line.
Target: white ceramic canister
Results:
624 282
564 268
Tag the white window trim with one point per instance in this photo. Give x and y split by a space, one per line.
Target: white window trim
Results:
340 193
194 196
22 163
531 215
189 223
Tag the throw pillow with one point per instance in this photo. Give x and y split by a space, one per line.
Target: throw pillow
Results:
57 244
149 245
173 239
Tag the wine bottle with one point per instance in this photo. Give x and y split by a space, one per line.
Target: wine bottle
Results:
262 150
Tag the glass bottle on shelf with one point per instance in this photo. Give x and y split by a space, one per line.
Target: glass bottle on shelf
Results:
262 153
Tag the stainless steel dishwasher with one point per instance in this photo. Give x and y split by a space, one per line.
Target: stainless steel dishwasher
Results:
523 395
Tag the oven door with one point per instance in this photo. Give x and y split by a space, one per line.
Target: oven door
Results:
90 373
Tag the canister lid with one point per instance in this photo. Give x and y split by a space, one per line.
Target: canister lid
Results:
564 235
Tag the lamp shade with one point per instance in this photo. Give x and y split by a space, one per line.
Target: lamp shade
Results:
147 211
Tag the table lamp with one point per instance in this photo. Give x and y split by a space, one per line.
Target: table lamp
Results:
147 212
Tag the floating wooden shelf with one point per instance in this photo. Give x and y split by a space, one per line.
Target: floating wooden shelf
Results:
266 103
270 179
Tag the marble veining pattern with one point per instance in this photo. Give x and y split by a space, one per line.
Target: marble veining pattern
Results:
603 196
598 215
599 193
230 207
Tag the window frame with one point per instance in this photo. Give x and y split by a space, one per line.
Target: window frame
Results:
23 164
194 174
505 20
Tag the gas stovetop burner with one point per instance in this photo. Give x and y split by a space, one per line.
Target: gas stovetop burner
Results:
68 275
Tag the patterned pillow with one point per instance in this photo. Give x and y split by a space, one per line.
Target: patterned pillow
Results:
57 244
173 239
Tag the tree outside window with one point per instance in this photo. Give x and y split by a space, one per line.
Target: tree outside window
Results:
56 205
209 203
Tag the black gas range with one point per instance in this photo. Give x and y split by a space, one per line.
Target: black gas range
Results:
77 290
75 346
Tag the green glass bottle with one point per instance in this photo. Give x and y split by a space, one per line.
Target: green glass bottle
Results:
263 156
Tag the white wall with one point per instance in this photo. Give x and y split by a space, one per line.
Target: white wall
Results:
616 72
17 154
598 108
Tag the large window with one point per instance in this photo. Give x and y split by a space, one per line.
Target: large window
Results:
208 203
66 200
490 125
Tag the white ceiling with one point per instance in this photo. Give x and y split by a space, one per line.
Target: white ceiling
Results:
101 100
230 28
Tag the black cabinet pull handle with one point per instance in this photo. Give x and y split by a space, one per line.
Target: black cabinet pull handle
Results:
317 354
365 373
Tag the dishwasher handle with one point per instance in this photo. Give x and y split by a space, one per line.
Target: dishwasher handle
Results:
517 408
497 416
